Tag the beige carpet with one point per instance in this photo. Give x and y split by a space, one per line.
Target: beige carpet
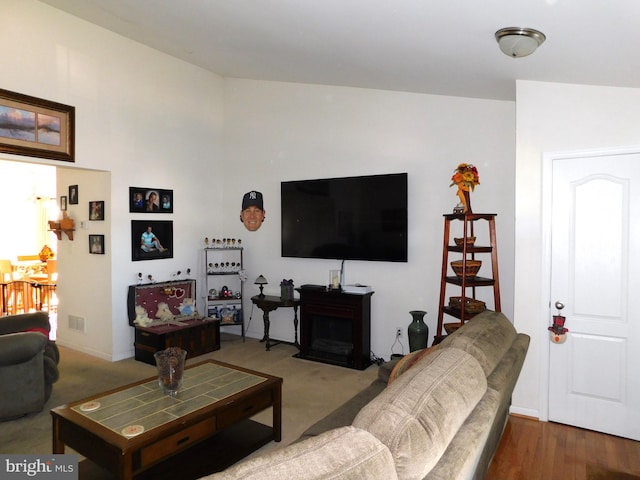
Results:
311 390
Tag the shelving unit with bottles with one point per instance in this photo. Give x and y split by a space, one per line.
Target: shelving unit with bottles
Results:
224 287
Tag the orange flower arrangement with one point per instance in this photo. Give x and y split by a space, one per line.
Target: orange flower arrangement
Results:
466 177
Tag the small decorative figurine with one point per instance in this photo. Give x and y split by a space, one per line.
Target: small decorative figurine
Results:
142 318
164 313
557 331
187 307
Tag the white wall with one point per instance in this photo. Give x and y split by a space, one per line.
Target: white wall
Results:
281 131
85 280
144 117
554 118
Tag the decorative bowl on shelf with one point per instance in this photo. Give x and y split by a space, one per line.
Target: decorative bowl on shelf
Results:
470 269
471 305
460 241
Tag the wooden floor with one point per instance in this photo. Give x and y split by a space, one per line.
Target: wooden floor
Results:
534 450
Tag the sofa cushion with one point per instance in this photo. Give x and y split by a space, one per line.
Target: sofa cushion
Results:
409 360
18 348
27 392
25 321
417 415
487 337
346 453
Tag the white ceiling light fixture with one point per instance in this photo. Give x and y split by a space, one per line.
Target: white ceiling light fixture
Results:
519 42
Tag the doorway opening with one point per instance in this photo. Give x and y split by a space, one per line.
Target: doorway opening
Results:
30 199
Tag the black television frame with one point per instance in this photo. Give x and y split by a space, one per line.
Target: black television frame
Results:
378 211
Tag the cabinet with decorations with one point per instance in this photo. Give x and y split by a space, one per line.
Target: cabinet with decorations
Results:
464 305
224 280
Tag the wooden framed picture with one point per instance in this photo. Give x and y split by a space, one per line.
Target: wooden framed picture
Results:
35 127
150 200
73 194
96 210
152 240
96 244
63 203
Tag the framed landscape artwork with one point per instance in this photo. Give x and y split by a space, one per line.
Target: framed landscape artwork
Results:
35 127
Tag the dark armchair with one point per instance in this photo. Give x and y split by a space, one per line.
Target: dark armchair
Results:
28 364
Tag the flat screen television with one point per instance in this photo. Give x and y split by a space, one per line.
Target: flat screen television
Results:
348 218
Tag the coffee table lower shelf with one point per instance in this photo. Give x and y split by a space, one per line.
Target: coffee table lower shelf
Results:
213 455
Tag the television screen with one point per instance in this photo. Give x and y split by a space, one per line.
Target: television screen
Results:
349 218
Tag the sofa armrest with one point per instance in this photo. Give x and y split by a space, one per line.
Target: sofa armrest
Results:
17 348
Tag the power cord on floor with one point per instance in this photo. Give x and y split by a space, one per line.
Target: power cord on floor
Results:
397 340
250 317
375 359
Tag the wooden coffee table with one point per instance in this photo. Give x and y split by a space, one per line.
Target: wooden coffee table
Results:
136 429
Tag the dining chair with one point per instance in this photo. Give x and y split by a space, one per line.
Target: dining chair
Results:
52 271
28 258
48 297
6 271
22 297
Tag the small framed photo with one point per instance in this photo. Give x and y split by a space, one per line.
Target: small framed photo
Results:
63 203
96 210
96 244
150 200
73 194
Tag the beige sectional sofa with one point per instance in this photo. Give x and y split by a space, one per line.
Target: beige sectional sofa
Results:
441 417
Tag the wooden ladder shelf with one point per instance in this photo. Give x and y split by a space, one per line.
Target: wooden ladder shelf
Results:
469 252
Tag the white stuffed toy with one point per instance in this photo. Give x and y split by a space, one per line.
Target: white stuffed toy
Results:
142 318
164 313
187 307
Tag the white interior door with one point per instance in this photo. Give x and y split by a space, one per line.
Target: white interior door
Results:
594 377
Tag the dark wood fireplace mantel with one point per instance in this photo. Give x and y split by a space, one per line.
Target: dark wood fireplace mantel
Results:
335 327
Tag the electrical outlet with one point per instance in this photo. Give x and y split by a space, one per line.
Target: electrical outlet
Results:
398 332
